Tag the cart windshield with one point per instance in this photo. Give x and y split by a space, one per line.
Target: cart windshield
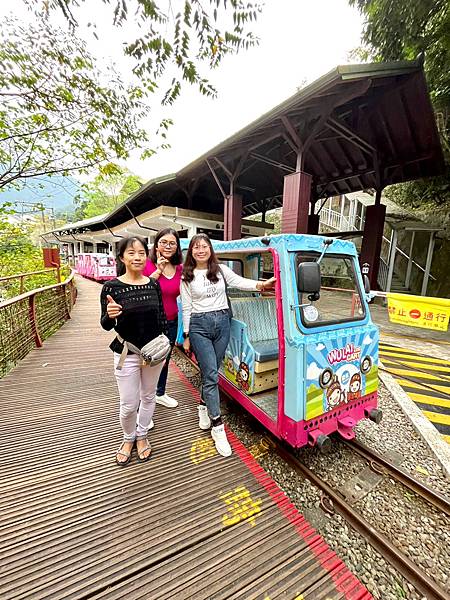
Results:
340 297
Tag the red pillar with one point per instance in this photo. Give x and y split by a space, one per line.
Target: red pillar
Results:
369 258
296 196
313 224
232 217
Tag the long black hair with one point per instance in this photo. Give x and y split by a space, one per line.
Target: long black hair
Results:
123 245
190 263
177 257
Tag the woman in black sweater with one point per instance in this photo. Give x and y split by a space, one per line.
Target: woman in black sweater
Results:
132 305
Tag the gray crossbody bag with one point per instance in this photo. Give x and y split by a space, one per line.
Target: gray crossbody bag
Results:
153 353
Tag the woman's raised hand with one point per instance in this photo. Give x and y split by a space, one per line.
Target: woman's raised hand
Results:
269 284
113 309
161 262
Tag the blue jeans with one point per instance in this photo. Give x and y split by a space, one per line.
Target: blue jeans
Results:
172 327
209 334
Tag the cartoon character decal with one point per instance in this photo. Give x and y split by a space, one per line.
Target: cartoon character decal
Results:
354 389
242 377
335 394
340 370
229 365
366 364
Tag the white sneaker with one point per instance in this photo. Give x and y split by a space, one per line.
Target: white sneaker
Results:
220 440
204 422
151 425
166 400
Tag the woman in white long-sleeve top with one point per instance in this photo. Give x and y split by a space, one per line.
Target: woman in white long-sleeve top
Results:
206 325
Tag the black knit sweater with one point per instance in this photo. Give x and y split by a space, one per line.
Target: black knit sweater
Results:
143 317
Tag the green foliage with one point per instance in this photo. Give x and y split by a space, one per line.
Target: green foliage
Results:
57 115
182 34
404 30
111 187
422 194
19 254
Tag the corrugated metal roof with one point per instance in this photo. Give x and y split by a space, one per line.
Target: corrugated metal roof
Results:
359 111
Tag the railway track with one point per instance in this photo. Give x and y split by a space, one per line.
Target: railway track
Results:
382 465
333 501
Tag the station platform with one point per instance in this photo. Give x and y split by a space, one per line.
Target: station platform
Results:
426 380
187 524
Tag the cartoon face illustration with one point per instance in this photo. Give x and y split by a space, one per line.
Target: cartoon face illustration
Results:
366 364
354 392
229 365
335 394
325 378
243 376
355 383
243 372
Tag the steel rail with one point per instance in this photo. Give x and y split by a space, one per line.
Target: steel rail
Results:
332 500
400 561
380 464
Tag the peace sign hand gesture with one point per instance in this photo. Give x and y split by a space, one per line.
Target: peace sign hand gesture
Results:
161 262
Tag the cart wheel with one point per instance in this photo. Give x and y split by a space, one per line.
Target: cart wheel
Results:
324 444
376 415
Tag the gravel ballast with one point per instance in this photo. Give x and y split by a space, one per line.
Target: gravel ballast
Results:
419 530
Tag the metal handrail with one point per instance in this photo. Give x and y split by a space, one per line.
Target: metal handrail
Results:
9 277
23 276
36 291
406 256
27 319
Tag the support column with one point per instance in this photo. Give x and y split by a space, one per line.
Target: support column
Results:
372 239
392 256
426 275
94 247
232 217
342 199
296 197
313 224
410 261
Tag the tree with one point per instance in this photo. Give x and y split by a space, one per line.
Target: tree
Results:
106 191
180 33
17 251
57 115
403 30
61 114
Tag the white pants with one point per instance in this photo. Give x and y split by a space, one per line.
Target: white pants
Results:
137 389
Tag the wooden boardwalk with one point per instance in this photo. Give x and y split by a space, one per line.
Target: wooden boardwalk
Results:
187 524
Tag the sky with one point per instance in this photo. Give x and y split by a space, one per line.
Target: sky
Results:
300 40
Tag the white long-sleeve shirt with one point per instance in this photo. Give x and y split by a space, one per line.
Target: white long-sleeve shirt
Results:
201 295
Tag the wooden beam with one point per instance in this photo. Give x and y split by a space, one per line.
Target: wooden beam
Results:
219 185
351 136
224 167
292 133
272 163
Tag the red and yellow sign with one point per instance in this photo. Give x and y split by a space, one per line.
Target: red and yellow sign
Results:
419 311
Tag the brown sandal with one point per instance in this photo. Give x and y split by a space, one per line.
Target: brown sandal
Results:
120 452
141 458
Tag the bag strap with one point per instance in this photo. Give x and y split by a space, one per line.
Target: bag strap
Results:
226 293
126 346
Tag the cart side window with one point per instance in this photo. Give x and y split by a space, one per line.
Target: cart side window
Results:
235 265
340 298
